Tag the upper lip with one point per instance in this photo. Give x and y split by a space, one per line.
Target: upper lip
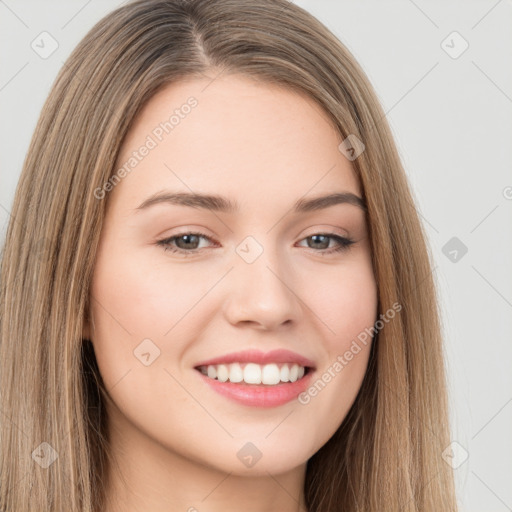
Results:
258 357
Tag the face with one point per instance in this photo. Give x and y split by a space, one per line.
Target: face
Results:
264 290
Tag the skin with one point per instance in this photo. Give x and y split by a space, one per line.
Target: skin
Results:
175 439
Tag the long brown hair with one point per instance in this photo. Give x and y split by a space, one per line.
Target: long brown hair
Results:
386 455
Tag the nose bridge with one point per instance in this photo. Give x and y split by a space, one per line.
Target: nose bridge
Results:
262 289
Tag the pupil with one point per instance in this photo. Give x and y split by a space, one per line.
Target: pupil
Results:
315 237
187 238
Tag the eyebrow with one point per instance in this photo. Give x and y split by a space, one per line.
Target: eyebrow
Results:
223 204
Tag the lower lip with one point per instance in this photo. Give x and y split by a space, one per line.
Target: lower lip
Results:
260 395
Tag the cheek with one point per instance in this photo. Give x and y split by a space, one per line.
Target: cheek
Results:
132 299
139 314
346 304
348 310
129 306
145 312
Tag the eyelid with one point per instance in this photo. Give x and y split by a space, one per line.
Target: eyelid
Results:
328 229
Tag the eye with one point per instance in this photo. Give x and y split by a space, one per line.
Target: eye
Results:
188 243
321 241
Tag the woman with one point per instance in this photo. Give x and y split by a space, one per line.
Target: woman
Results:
216 291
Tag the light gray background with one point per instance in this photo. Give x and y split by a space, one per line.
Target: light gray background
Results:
452 121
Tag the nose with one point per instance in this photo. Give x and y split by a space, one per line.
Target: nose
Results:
263 294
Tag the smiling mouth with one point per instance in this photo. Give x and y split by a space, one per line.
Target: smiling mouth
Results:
252 373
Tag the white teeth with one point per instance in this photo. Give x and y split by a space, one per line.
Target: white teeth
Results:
294 373
252 373
222 372
212 372
270 374
236 374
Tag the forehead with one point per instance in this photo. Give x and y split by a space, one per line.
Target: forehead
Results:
253 141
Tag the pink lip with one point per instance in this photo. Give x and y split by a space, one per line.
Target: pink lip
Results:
260 395
258 357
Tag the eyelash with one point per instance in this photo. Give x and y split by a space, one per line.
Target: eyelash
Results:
343 243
